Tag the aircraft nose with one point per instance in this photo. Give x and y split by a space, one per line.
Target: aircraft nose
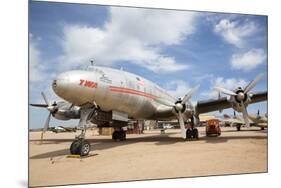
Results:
61 84
68 86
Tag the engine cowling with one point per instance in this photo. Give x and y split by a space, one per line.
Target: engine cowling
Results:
239 98
64 111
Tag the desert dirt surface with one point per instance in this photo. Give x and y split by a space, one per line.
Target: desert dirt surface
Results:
146 156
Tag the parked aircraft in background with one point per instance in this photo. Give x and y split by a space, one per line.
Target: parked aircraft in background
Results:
60 129
110 97
238 122
258 120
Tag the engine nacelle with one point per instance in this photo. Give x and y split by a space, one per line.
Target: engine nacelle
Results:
64 111
238 100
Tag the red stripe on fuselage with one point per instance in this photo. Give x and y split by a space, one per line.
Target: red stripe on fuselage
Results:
131 91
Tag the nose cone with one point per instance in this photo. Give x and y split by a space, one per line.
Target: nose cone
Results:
61 84
68 86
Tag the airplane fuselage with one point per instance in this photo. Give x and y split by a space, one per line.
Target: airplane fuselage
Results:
113 89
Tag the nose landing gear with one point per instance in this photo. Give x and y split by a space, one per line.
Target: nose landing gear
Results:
80 146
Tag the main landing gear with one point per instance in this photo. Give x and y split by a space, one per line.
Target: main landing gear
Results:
119 135
238 127
191 132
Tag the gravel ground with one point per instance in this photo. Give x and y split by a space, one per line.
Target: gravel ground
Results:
148 156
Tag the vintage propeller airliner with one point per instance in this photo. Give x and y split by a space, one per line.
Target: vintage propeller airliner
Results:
111 97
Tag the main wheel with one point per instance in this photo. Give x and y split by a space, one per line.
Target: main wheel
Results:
188 134
122 135
85 148
115 135
238 127
195 133
75 147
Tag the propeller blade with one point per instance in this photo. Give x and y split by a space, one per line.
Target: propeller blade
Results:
45 98
253 83
165 102
182 125
189 94
39 105
225 91
46 126
245 115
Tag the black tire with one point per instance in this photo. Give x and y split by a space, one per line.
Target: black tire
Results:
238 128
85 148
115 135
188 134
195 133
122 135
75 147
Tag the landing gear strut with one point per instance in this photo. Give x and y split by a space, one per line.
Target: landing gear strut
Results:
119 135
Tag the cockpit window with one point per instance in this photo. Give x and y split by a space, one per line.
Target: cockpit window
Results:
54 83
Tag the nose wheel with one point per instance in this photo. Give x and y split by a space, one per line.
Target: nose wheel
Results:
80 147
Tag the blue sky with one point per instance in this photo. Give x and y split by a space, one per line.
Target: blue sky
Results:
175 49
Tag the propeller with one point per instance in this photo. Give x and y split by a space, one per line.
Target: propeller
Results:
179 107
52 108
241 96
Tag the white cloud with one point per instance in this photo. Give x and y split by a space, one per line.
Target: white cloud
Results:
234 32
36 69
130 34
177 88
249 60
229 83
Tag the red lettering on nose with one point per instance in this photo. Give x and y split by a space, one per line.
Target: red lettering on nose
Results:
88 83
81 82
95 85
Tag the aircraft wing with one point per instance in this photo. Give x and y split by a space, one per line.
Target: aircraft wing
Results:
233 121
224 102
